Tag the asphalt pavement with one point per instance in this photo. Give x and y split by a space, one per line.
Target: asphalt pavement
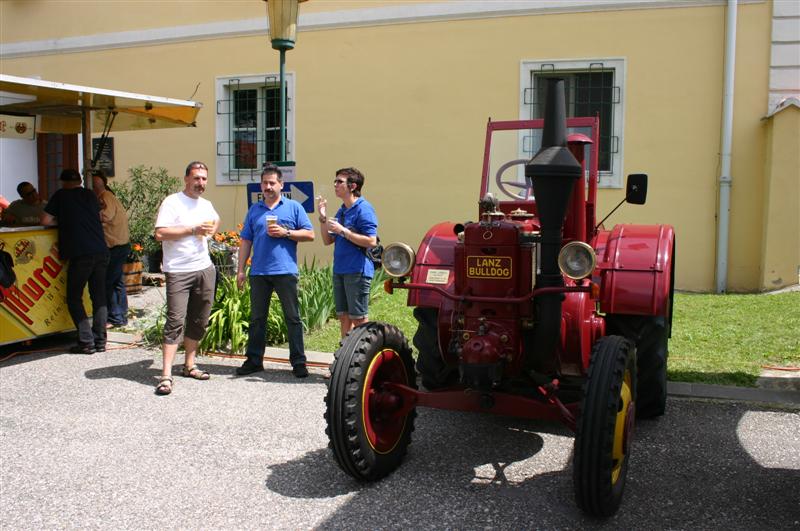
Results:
84 442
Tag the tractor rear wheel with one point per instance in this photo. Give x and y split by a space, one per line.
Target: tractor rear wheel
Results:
605 427
434 371
366 428
651 335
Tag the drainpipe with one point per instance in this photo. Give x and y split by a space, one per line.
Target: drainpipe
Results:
723 221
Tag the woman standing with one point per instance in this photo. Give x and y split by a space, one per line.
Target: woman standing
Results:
352 230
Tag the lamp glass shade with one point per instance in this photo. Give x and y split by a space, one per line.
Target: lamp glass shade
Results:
282 23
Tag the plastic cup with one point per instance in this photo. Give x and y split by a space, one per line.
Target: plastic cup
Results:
205 225
272 220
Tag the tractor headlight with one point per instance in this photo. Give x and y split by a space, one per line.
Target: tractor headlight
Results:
577 260
398 259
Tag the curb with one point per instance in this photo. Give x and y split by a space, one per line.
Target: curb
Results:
726 392
675 389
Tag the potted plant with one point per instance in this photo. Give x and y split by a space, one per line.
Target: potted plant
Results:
224 248
132 269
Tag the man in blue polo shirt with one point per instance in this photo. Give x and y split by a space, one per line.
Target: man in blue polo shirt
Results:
271 229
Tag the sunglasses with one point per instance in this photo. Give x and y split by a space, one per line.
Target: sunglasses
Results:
338 181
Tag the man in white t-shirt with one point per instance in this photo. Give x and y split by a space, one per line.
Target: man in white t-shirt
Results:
184 224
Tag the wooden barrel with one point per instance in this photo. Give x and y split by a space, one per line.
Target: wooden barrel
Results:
132 273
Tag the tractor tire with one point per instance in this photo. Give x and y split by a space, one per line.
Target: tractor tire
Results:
605 426
650 335
434 371
369 443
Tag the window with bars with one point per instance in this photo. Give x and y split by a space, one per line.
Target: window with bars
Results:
592 88
248 126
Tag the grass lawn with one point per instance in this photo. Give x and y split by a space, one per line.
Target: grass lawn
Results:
727 339
719 339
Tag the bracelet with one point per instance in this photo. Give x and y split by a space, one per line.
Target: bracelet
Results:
288 233
193 231
323 219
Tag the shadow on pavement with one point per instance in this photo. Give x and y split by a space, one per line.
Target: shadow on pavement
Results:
692 468
36 349
145 371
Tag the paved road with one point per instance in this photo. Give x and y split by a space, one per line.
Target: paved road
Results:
85 443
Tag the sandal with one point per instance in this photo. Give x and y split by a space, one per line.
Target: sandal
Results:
195 372
164 386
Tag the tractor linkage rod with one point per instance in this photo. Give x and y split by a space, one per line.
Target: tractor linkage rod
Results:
472 298
470 400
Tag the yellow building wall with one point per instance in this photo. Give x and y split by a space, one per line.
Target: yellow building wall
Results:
780 257
408 104
48 19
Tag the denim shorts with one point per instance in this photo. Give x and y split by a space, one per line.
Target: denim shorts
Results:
351 294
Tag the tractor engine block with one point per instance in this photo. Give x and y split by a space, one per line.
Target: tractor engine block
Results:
496 261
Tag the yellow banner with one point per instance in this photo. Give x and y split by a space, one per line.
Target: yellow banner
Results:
36 304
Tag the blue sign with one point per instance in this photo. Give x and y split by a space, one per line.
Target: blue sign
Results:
300 191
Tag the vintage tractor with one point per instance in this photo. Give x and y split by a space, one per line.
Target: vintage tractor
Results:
532 311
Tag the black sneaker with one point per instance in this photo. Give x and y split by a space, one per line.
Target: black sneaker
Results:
300 370
99 348
82 349
248 368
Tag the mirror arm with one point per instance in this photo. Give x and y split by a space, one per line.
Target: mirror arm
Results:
609 214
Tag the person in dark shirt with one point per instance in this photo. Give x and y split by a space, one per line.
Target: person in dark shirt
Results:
76 211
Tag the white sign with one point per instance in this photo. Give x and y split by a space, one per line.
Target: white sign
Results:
20 127
437 276
288 172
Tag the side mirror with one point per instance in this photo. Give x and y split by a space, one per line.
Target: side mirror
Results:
636 189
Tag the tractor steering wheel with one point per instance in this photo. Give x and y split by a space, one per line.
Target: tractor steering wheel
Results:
525 189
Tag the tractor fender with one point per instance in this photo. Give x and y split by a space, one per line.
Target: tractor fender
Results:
635 269
434 265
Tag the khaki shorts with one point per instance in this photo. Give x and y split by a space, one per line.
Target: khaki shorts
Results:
189 300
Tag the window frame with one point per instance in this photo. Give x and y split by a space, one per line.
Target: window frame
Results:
529 67
224 128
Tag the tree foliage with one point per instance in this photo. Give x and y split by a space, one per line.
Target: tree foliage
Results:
141 195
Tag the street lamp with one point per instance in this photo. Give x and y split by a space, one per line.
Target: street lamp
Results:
282 31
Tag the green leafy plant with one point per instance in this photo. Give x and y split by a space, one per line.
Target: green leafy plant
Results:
141 195
229 321
315 301
153 332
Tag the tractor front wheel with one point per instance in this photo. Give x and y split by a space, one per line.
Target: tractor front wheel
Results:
605 427
368 427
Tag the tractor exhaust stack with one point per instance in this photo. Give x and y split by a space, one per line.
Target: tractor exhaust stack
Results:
552 172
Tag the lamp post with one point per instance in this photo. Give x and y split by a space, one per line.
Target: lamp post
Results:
282 33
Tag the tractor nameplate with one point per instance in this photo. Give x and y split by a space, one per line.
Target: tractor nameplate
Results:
488 267
437 276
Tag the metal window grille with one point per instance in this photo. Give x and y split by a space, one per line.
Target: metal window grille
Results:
252 113
588 93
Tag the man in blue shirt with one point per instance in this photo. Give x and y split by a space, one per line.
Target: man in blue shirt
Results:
271 229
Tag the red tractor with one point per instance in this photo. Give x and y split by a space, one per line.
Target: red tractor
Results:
532 311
